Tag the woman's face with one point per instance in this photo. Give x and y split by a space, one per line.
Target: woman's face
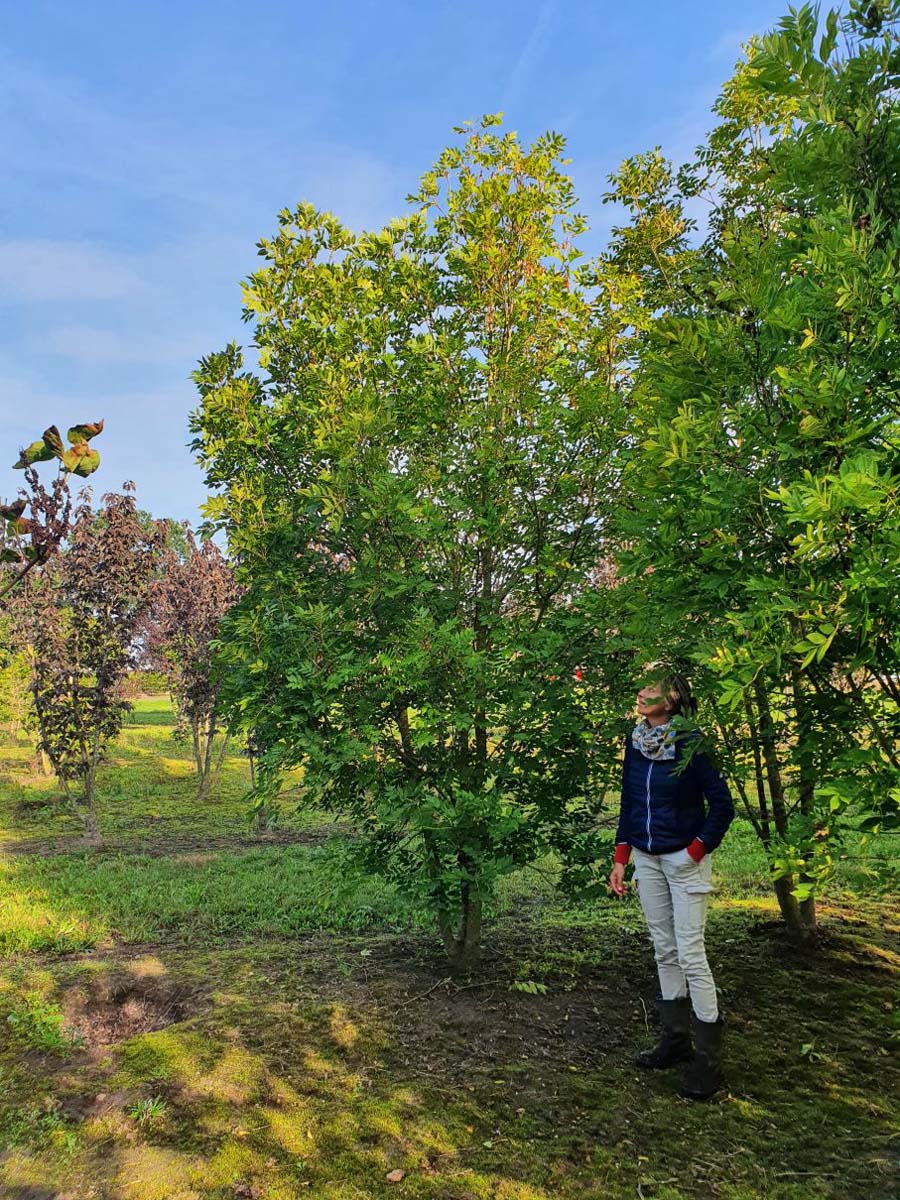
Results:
651 702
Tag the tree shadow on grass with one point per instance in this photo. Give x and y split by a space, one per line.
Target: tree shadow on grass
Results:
321 1069
265 1095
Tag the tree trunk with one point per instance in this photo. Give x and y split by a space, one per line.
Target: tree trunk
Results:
758 778
460 934
203 779
799 917
204 732
807 783
209 733
220 758
198 750
47 766
463 944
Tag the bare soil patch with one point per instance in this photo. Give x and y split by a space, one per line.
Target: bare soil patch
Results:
116 1007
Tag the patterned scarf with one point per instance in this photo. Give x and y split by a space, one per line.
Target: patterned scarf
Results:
654 741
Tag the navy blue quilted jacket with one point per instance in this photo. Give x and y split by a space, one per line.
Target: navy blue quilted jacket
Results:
662 811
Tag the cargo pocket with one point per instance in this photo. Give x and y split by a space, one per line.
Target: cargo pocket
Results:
699 887
701 883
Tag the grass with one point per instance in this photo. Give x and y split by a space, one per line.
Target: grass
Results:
145 1111
72 902
192 1015
36 1023
146 795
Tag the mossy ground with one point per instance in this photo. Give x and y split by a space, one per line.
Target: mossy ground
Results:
210 1024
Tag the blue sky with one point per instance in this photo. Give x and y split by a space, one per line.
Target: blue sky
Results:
148 145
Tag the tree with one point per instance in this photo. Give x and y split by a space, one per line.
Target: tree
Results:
761 538
194 591
79 618
15 707
26 542
413 498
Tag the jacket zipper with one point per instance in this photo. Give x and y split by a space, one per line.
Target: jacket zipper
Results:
649 838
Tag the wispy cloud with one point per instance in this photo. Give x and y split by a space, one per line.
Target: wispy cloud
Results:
146 157
96 347
727 48
530 55
38 270
53 127
110 325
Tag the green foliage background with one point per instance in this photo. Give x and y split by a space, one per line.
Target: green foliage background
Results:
477 462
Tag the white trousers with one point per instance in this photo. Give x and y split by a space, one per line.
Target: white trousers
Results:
674 892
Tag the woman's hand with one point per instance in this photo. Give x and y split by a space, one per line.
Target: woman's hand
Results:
617 879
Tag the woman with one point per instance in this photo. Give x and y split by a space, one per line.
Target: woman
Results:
672 833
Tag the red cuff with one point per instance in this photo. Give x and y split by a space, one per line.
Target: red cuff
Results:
623 853
696 850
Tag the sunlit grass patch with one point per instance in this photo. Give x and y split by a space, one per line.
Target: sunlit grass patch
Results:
148 777
15 751
147 1058
761 904
28 922
73 901
157 1173
37 1023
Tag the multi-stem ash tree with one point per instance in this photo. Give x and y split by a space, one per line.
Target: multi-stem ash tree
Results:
414 497
194 591
79 618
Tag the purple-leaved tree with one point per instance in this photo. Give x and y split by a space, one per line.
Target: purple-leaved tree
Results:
192 594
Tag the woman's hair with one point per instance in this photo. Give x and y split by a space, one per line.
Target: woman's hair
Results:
676 690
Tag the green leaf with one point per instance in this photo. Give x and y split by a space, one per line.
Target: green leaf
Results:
36 452
529 986
84 433
53 441
830 36
81 460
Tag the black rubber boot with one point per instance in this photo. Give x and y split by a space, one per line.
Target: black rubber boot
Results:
675 1044
702 1077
